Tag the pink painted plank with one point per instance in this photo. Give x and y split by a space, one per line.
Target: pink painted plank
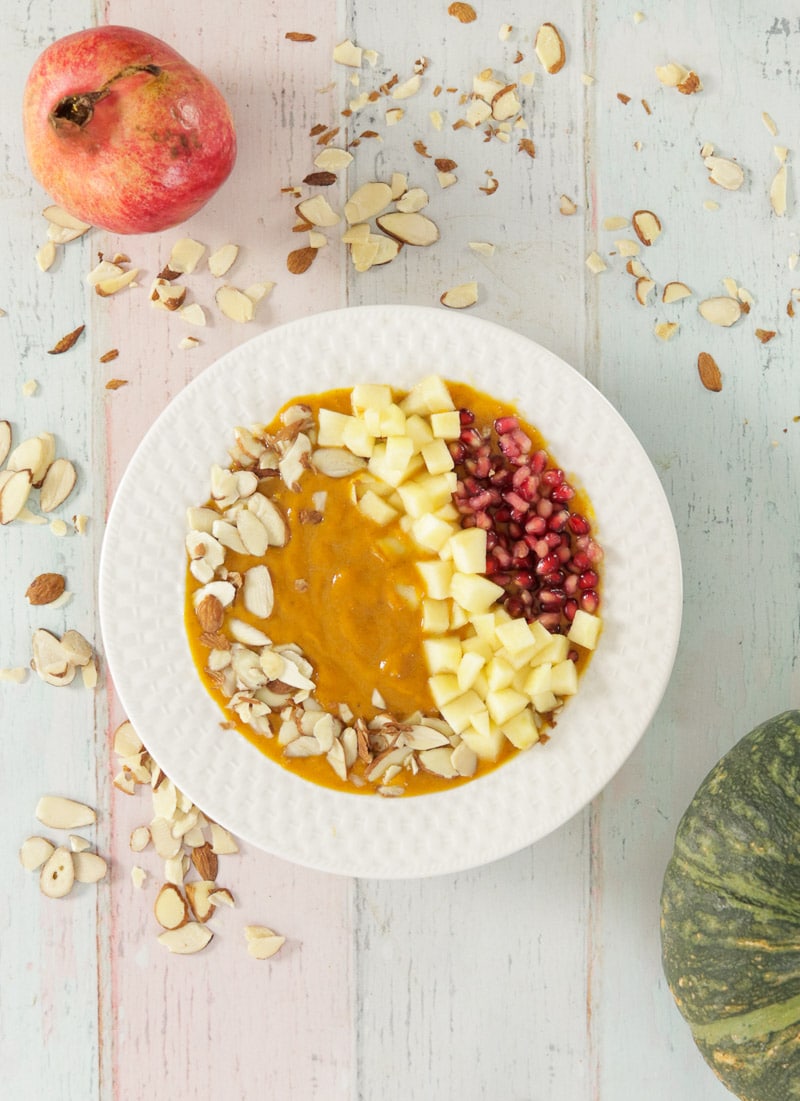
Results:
221 1023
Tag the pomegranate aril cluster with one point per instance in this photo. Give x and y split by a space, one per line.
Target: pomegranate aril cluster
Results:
539 550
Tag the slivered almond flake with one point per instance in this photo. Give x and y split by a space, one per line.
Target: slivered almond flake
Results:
672 74
88 867
300 36
235 304
646 225
549 47
765 335
566 205
14 493
709 372
58 874
116 383
595 263
185 255
46 256
674 291
16 675
262 943
331 159
106 287
643 289
526 146
257 291
615 222
410 228
412 200
483 248
407 88
29 387
66 342
194 314
222 260
318 211
464 13
170 908
57 216
59 813
665 330
347 53
35 851
724 172
461 296
58 483
777 191
690 84
108 356
188 939
222 842
198 893
367 201
721 310
5 440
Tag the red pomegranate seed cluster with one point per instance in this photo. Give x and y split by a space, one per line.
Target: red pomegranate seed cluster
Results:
539 550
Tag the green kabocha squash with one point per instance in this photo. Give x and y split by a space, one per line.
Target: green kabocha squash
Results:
730 914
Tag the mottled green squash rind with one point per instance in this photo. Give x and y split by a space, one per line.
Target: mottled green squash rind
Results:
730 914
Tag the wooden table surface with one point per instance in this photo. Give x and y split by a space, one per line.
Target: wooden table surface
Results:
536 978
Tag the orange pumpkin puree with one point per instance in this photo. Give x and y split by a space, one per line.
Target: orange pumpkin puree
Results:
348 593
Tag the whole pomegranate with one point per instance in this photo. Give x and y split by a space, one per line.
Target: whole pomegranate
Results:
123 132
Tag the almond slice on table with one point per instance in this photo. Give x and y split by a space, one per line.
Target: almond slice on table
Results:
410 228
300 260
674 291
223 259
34 455
643 288
646 225
222 841
76 648
59 813
235 304
170 908
66 342
549 47
257 291
65 227
186 940
566 205
412 200
50 661
318 212
166 295
367 201
89 867
46 255
35 852
262 942
58 483
198 893
205 861
106 287
185 255
14 493
461 296
777 191
721 310
724 172
331 159
194 314
57 876
348 53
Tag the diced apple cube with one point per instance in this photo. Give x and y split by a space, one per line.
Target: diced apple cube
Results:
458 617
521 730
544 702
437 578
504 703
356 438
468 668
418 429
585 629
499 673
431 532
370 395
519 659
484 627
515 635
473 592
540 679
437 458
331 428
379 467
458 712
399 450
435 616
541 636
555 650
475 644
446 426
392 421
449 512
485 743
376 508
443 654
430 395
564 680
444 688
468 550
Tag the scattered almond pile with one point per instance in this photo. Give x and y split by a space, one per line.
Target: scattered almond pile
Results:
190 845
62 866
32 464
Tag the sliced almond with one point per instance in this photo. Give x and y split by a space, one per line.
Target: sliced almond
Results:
78 844
777 191
205 861
643 289
672 74
223 259
332 159
59 813
665 330
66 342
407 88
14 494
690 84
464 13
262 942
103 270
674 291
126 741
615 222
58 483
257 592
5 440
595 263
46 255
221 896
198 892
186 254
170 908
58 874
140 839
724 172
106 287
318 211
35 851
646 225
347 53
765 335
222 841
76 648
506 104
412 200
235 304
721 310
411 229
566 205
61 218
257 291
367 201
50 661
549 47
461 296
194 314
189 938
89 867
709 372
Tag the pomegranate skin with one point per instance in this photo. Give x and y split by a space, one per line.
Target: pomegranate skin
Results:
158 142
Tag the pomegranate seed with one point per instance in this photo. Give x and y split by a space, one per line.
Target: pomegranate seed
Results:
578 524
509 447
553 477
569 609
551 598
558 521
472 438
551 621
563 492
537 525
547 564
505 424
587 580
466 417
484 521
458 450
571 584
590 601
544 508
524 579
539 461
518 503
580 561
515 607
555 578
